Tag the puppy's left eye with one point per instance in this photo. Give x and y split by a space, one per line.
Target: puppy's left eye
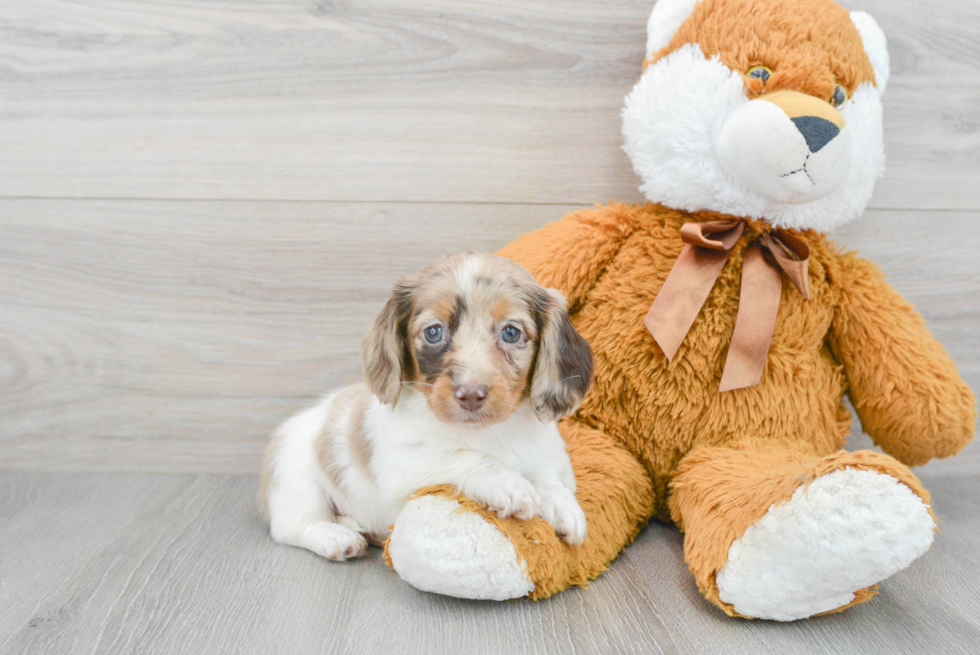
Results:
433 334
510 334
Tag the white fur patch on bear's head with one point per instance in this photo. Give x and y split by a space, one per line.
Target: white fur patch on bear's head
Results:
666 17
676 115
875 45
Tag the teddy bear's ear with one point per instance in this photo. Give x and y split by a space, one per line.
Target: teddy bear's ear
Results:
667 16
875 45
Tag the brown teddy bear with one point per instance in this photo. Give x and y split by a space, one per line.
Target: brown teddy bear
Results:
718 397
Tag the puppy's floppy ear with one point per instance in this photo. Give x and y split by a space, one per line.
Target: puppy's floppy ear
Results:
385 345
563 367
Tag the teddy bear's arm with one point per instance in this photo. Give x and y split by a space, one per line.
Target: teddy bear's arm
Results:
448 543
571 254
906 389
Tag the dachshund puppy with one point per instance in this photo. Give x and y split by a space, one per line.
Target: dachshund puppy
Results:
467 368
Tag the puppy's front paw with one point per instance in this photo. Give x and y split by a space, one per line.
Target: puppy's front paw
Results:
333 541
509 494
560 508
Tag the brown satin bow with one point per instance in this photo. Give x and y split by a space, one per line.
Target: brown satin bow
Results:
701 261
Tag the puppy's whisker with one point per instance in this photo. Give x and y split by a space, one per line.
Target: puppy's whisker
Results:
411 383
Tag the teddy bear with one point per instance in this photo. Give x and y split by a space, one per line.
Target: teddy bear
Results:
727 329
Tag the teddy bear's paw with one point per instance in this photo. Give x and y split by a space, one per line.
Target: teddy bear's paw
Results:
843 532
435 546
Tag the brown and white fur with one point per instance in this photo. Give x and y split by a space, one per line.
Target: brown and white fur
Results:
468 366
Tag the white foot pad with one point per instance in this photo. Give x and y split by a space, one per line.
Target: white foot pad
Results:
436 548
331 540
845 531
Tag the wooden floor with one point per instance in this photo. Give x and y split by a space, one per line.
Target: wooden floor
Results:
203 204
136 563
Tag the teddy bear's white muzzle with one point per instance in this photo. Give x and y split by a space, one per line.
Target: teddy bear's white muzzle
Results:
787 159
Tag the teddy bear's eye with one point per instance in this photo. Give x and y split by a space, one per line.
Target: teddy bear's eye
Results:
760 73
839 97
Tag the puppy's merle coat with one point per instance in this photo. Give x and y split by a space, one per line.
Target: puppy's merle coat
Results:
468 366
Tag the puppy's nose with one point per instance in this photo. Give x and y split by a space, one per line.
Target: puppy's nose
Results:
817 131
471 396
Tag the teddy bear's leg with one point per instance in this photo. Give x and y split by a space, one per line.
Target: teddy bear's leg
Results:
777 532
446 543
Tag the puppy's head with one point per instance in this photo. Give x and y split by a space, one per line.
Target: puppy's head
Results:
477 336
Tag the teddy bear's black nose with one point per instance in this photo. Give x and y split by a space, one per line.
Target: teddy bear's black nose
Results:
818 132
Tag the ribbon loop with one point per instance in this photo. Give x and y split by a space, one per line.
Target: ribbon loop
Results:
726 233
705 253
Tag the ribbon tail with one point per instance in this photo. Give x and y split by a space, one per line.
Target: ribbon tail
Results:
793 256
757 308
682 296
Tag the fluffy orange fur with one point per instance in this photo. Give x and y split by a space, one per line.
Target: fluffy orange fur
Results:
815 49
616 511
654 438
854 334
717 493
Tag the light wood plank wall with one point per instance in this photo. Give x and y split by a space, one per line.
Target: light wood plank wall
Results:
202 205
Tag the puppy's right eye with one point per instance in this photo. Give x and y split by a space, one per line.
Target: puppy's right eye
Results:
510 334
433 334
